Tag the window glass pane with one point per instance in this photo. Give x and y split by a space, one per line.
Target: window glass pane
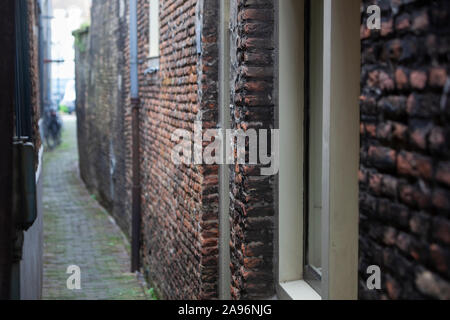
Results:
154 28
315 185
314 114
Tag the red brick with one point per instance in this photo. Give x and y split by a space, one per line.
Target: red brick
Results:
364 32
399 131
387 27
393 288
443 173
440 258
418 79
438 77
419 134
436 139
383 158
414 165
441 230
375 183
441 199
401 79
420 21
403 22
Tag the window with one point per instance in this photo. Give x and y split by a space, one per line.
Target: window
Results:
154 36
313 114
154 29
318 109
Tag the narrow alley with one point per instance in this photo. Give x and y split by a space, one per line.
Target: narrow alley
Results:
78 231
248 150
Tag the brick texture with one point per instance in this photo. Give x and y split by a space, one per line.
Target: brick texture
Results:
101 108
179 202
252 196
405 155
8 81
81 87
33 34
404 174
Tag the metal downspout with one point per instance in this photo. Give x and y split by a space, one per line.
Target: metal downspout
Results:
135 105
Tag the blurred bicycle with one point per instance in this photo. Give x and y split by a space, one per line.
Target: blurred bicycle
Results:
52 129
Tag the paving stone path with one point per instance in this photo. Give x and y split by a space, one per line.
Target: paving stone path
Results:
78 231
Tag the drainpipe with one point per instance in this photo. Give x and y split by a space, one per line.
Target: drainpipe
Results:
135 105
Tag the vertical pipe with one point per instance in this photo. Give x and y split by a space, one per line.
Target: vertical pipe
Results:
41 56
133 50
135 104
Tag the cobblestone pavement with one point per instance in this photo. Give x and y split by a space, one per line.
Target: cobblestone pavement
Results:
78 231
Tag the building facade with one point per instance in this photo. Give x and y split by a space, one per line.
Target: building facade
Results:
363 119
101 105
21 234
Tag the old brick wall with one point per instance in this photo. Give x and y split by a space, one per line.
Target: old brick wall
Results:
81 85
404 184
7 126
179 245
102 143
179 202
405 155
33 33
252 203
121 198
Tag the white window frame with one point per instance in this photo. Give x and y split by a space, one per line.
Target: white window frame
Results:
340 151
154 35
154 29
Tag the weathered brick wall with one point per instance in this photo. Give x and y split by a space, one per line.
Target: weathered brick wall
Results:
33 32
127 139
405 156
404 175
102 146
8 231
252 196
81 86
208 77
103 127
179 202
122 198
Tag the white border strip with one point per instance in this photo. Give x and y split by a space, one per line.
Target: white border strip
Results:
327 23
40 164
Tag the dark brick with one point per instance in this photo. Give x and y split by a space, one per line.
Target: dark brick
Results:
414 165
382 158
